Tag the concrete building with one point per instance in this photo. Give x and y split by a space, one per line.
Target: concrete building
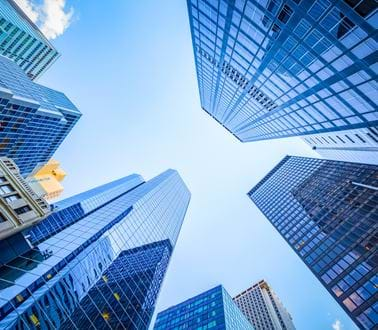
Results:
20 206
263 308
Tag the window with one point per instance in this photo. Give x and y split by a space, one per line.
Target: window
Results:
23 209
2 218
340 139
6 189
372 137
105 315
360 138
285 14
12 198
364 8
34 319
211 324
373 130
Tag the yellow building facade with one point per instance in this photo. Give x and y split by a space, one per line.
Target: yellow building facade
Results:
46 179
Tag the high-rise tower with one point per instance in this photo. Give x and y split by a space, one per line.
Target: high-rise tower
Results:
263 309
354 145
327 211
98 261
271 69
23 42
34 120
213 309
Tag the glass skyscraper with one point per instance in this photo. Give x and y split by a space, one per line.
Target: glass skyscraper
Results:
263 308
23 42
327 211
270 69
213 309
98 261
34 120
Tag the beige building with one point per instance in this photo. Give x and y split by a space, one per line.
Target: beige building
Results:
20 206
46 180
263 309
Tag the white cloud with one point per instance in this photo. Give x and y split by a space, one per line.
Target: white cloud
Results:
55 19
51 15
336 325
29 9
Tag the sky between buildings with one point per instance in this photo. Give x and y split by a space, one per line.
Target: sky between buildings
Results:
128 66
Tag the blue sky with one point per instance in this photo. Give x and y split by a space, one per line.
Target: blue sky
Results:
128 66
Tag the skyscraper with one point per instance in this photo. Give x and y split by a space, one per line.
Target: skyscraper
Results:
213 309
23 42
99 260
271 69
263 309
34 120
355 145
327 211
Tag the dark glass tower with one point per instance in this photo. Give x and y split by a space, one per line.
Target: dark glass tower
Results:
34 120
133 280
213 309
99 260
271 69
327 211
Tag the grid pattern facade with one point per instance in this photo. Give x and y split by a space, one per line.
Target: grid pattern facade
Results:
134 277
75 208
356 145
34 120
271 69
327 211
263 309
23 42
213 309
102 270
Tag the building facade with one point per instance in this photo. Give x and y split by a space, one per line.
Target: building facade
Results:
20 206
263 309
355 145
213 309
46 179
34 120
98 261
327 211
23 42
272 69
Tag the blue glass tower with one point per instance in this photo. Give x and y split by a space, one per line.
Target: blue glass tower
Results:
327 211
130 282
276 68
34 120
213 309
23 42
99 260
